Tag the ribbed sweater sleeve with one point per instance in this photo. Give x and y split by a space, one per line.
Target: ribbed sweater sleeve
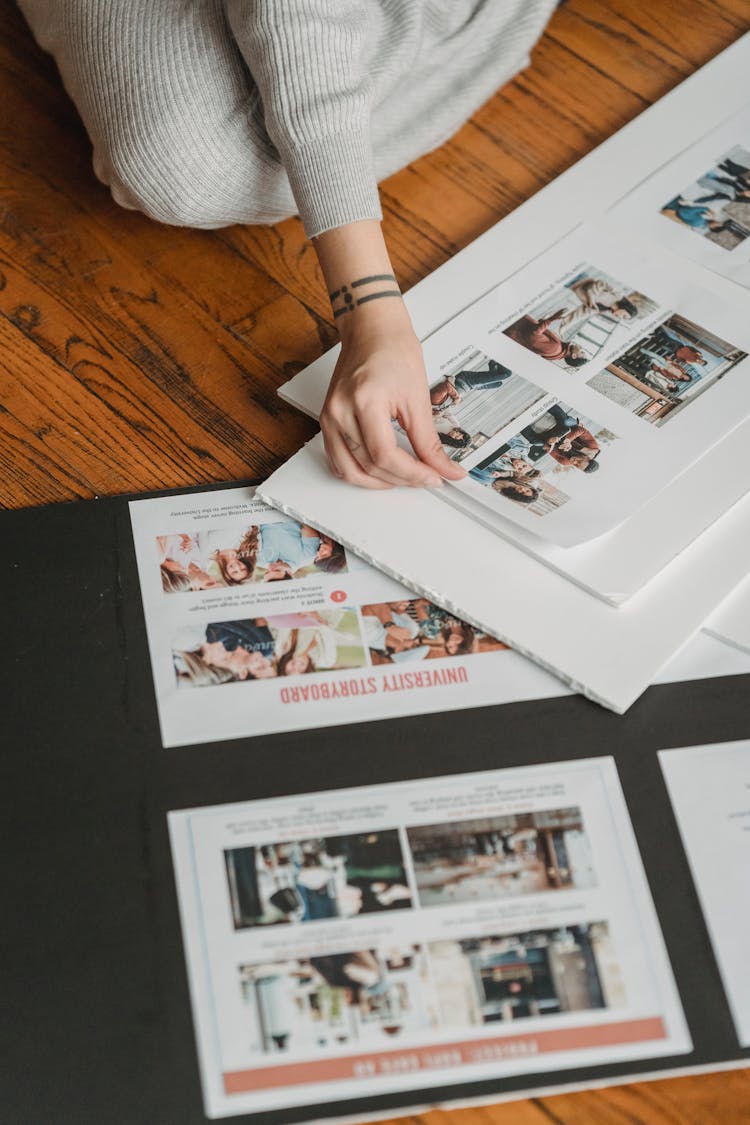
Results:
307 59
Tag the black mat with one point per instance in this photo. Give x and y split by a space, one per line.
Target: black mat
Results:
96 1008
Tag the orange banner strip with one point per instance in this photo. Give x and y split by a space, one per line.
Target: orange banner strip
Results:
443 1055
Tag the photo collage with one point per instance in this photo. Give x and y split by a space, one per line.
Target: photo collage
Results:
296 644
473 922
323 1000
653 373
480 398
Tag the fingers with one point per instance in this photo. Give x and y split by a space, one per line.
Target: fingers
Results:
362 448
426 444
383 455
344 465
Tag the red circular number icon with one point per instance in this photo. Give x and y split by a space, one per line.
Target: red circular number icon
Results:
338 596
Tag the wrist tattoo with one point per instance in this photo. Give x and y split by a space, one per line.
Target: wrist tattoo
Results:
343 300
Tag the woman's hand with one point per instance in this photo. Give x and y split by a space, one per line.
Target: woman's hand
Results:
380 376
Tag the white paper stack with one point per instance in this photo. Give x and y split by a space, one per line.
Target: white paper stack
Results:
596 386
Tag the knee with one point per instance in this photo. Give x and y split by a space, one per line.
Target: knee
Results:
187 189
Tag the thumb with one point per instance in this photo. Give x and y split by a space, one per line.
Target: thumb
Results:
426 444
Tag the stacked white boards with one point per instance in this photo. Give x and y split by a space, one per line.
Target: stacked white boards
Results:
598 338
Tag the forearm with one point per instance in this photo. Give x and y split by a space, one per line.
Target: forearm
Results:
365 296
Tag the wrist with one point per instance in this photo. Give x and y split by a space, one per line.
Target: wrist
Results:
386 317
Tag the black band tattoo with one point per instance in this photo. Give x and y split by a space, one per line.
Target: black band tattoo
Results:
350 302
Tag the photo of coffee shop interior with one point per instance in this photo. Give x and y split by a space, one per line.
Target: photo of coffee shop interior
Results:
516 976
517 854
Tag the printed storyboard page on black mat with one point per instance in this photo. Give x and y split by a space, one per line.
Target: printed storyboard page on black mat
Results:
98 994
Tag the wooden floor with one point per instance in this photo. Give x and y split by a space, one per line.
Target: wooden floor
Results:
140 357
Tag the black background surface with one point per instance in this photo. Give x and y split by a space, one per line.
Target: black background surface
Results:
95 1005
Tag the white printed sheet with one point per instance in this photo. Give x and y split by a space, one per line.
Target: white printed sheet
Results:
709 787
374 648
698 204
404 936
577 390
292 640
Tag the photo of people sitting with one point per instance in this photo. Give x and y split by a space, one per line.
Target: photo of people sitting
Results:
270 551
529 973
260 648
524 467
312 1004
577 320
315 878
404 631
717 205
501 857
476 401
660 374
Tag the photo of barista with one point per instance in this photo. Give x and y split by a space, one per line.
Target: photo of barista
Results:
661 373
316 877
476 399
316 1004
527 467
716 206
270 551
416 629
525 974
585 314
487 858
261 648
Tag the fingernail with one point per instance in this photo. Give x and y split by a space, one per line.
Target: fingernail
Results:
434 482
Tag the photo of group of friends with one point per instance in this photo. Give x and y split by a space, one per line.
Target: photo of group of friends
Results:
416 629
666 369
572 324
716 205
261 648
506 856
526 468
270 551
529 973
316 878
475 401
354 998
297 644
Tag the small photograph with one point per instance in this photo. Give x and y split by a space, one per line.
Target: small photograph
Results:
573 324
661 373
477 400
403 631
501 857
265 552
717 205
261 648
316 878
338 1000
527 467
526 974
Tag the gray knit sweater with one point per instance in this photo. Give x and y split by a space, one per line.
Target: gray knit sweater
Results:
323 97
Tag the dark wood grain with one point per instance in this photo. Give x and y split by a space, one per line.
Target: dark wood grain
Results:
139 357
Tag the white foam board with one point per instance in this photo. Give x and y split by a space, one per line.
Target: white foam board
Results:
607 653
731 622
